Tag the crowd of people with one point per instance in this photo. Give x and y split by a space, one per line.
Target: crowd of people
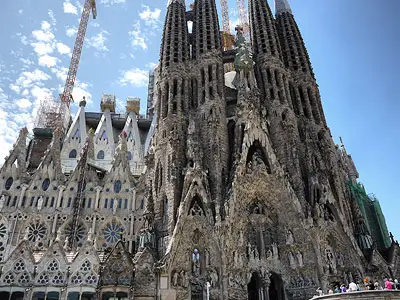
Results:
367 285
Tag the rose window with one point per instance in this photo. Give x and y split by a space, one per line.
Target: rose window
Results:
3 230
24 278
36 232
112 233
80 232
19 266
53 266
58 278
9 278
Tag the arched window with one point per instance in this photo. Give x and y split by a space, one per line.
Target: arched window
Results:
100 154
45 184
129 155
117 186
9 183
142 204
72 154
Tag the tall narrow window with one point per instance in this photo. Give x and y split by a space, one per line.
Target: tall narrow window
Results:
126 204
105 203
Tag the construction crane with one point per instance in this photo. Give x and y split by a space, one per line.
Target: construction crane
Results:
66 97
243 18
227 37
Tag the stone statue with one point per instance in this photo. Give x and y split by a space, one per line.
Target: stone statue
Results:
269 254
207 257
40 203
184 278
256 254
90 235
66 242
196 262
292 262
26 235
58 236
249 250
114 208
289 238
2 201
214 278
175 279
275 251
299 258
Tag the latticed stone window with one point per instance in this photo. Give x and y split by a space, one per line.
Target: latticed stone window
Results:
19 266
43 278
53 266
24 278
86 266
9 278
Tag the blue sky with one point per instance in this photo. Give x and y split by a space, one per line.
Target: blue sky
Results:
354 48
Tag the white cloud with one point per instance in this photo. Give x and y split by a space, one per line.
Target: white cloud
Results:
137 39
69 8
42 48
24 103
98 41
52 17
20 11
151 17
43 36
111 2
24 40
63 49
135 77
45 25
48 61
27 79
71 31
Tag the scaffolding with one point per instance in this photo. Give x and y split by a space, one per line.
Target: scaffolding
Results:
52 113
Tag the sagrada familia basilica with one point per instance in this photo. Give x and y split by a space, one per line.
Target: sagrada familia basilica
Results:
232 188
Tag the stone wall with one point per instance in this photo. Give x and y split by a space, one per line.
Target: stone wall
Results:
376 295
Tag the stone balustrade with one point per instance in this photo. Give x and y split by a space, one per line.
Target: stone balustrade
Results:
364 295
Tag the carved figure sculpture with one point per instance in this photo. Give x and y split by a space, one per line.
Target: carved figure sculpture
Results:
289 238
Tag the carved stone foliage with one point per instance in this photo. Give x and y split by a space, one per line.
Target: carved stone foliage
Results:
301 281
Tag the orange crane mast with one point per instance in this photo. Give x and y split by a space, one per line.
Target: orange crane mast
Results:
66 97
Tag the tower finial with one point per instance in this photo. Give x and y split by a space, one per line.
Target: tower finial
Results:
282 6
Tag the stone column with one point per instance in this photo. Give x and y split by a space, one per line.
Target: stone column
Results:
265 282
61 189
133 202
21 196
97 201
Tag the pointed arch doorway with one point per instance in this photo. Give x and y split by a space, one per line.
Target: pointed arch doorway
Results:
276 289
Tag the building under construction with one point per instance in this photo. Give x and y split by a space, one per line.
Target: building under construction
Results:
230 188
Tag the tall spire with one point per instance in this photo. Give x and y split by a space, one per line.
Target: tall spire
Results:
282 6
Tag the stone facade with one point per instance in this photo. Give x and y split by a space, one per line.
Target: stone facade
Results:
235 191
